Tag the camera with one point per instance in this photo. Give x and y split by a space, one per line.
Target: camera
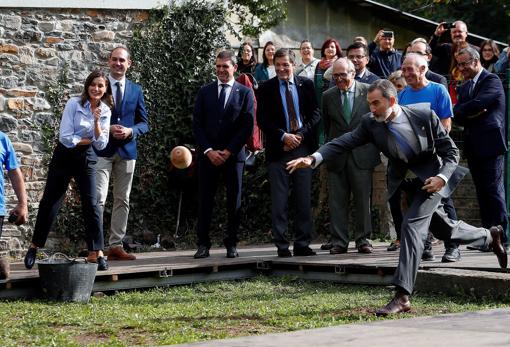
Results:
449 25
387 33
13 218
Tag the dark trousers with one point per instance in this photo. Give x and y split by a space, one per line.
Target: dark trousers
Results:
66 163
280 181
487 174
426 213
208 180
409 186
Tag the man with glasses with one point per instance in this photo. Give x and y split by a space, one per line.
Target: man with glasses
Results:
351 173
358 54
444 51
480 109
421 47
384 59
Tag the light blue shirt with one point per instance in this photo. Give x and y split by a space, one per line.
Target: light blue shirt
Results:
295 99
78 122
9 162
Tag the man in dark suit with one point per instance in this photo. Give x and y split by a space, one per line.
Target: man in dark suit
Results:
222 123
118 159
480 109
358 54
414 140
288 114
342 109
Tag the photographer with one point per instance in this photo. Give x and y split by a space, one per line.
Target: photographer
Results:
384 59
443 51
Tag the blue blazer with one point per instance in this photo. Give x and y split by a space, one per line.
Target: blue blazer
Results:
132 115
229 129
483 116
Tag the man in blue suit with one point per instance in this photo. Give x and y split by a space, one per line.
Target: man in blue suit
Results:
222 123
480 109
128 121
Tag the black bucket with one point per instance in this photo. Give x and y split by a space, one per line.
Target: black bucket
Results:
66 279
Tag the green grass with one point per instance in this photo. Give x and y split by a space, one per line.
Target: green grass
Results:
207 311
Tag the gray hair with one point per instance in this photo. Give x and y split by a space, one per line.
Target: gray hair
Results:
345 61
418 60
223 55
473 53
386 88
285 52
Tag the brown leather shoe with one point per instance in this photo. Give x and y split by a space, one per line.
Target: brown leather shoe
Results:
92 257
400 303
5 268
498 247
366 248
118 253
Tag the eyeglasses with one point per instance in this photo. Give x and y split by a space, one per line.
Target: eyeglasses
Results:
340 75
487 50
465 63
352 57
420 53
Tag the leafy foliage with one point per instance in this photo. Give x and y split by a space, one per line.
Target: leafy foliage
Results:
255 16
473 12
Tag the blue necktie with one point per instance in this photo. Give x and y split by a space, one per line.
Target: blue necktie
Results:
404 147
221 99
471 88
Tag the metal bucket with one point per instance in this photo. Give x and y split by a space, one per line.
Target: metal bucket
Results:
65 279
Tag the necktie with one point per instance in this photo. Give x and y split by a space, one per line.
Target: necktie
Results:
471 88
118 96
346 107
404 147
291 111
221 99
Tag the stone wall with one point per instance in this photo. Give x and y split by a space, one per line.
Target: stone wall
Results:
35 46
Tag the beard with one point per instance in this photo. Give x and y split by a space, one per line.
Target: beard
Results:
382 118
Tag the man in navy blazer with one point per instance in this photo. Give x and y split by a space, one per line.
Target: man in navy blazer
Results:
222 123
118 159
413 140
480 109
288 115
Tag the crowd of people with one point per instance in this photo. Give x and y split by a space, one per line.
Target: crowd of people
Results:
344 109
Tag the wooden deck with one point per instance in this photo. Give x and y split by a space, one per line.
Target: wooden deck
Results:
156 269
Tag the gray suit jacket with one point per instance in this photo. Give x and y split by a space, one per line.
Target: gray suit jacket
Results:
365 157
438 153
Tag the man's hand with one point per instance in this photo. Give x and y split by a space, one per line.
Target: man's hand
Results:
225 154
120 132
447 124
216 157
433 184
378 36
441 28
292 141
21 211
299 163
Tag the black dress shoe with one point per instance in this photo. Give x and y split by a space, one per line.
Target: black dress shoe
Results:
303 252
30 257
497 246
338 250
232 252
365 249
202 252
327 246
102 265
400 303
451 255
284 253
428 255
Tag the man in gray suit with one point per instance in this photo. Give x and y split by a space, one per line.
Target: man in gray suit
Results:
414 140
342 108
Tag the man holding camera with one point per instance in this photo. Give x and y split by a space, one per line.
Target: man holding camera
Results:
444 51
19 215
384 59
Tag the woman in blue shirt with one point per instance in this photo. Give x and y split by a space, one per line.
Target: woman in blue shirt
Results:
84 125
